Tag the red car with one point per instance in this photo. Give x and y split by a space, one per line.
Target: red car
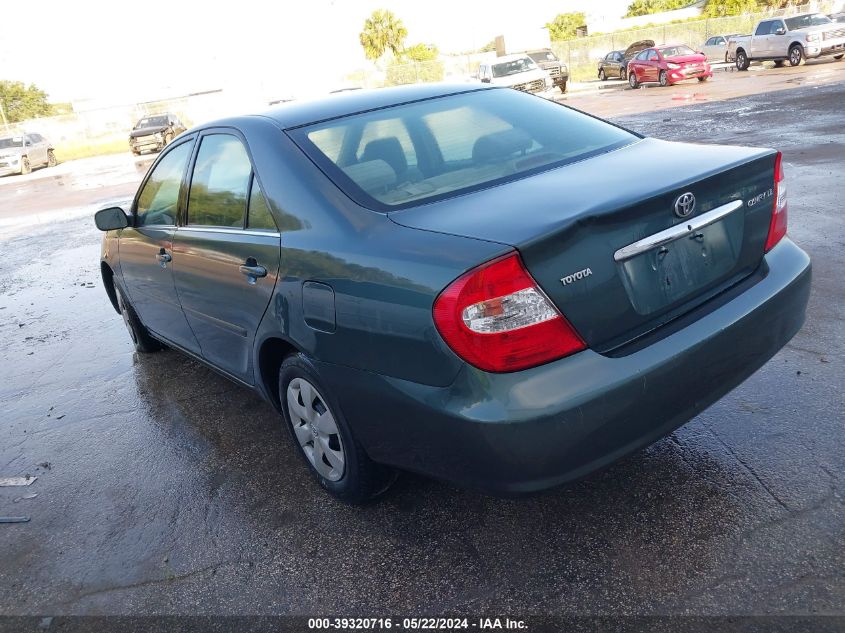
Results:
667 65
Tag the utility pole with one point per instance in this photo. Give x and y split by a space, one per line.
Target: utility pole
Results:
3 115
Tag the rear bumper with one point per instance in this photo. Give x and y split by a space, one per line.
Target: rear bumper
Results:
521 432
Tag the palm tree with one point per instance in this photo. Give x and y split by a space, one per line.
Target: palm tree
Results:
382 31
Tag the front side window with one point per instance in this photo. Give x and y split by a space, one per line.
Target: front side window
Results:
159 199
220 183
460 142
777 24
643 56
653 56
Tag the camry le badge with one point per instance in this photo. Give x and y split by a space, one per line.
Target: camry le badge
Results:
685 204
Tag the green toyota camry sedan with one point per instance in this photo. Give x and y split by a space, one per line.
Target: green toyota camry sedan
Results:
439 279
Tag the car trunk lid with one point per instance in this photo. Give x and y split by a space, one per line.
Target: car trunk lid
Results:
572 225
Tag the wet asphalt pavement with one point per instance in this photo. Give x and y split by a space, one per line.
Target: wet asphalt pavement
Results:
164 488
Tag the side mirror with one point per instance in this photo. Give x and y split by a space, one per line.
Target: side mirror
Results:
780 31
111 219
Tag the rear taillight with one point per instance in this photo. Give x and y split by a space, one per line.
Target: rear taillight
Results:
496 318
777 226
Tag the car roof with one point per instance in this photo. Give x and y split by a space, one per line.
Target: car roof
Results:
305 111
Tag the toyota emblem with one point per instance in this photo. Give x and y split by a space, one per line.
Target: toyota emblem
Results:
684 205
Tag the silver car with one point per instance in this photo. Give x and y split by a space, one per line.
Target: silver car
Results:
20 153
716 48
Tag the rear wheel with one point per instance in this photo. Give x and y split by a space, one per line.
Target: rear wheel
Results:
602 76
632 79
26 167
664 78
742 62
140 336
702 79
839 56
51 159
796 54
778 63
319 429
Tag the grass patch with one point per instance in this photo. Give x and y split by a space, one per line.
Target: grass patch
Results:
88 149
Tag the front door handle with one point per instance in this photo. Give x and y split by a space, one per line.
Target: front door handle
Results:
163 257
252 270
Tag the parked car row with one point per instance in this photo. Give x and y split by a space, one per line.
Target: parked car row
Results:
20 153
781 39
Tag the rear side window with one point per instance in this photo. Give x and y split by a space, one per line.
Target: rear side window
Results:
220 183
259 217
159 199
454 144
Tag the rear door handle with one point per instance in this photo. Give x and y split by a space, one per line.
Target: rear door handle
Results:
163 257
252 270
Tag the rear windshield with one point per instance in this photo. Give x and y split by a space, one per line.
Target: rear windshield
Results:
405 155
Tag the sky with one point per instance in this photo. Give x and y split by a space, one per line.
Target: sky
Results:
102 50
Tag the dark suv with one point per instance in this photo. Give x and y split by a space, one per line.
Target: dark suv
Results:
154 133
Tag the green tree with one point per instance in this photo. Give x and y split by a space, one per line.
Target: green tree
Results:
20 102
722 8
564 26
383 31
415 64
645 7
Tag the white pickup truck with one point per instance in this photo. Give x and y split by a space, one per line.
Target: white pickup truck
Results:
792 39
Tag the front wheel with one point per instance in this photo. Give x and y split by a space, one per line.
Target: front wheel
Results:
839 56
623 73
796 54
26 167
703 79
562 87
632 79
318 427
664 78
139 334
602 76
778 63
742 62
51 159
727 58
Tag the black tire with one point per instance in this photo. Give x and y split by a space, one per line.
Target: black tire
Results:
602 74
26 167
632 80
562 87
51 159
362 479
796 55
839 56
623 74
703 79
742 61
778 63
663 78
727 58
141 339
